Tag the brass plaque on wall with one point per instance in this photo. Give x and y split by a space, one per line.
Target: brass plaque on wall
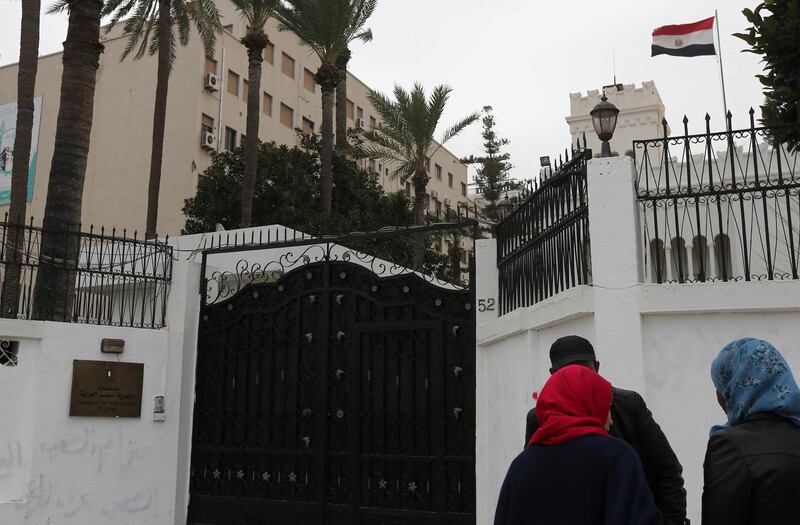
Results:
106 389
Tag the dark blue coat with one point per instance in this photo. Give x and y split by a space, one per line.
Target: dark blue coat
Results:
585 481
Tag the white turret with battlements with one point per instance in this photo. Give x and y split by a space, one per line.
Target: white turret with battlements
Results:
640 117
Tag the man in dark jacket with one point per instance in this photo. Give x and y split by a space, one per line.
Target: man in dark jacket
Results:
632 422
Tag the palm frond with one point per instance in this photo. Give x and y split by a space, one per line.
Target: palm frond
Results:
327 27
142 28
458 127
408 124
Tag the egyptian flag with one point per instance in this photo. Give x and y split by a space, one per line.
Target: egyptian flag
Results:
685 40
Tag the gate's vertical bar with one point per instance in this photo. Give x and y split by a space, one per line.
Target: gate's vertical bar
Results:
325 330
787 193
719 248
765 209
739 194
438 420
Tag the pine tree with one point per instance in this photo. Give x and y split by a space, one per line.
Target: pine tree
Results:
493 177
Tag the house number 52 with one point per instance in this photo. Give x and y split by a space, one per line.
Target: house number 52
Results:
486 305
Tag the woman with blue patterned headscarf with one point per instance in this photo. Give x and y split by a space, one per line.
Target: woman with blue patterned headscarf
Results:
752 466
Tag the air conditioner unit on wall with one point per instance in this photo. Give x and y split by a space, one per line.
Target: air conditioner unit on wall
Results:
208 141
360 123
447 202
211 82
435 194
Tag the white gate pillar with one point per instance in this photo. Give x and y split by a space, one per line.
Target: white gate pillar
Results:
614 231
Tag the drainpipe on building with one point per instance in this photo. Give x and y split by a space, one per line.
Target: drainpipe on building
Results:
222 76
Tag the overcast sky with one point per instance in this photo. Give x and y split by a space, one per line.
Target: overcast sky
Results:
524 57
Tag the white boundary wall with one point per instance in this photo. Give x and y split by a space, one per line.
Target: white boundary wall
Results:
57 469
656 339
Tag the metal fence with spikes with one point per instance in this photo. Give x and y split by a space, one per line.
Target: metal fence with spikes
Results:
543 243
116 279
719 206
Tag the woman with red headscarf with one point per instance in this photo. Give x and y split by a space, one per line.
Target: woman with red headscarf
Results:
575 473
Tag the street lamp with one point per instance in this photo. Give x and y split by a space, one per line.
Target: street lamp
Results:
505 206
604 118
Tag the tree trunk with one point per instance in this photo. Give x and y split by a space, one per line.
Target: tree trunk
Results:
26 82
327 78
159 115
420 213
255 41
55 284
341 101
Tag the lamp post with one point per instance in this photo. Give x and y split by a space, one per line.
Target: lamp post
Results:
604 118
504 207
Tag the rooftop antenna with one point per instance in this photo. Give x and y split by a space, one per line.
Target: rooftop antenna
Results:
614 58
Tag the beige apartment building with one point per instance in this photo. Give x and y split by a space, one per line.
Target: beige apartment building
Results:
206 111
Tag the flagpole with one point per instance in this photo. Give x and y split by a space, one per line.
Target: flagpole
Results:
721 70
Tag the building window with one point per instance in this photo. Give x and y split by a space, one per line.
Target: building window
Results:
371 165
230 138
450 180
428 165
287 116
438 208
351 109
269 53
387 172
680 261
287 65
463 189
211 66
245 89
206 124
360 113
233 83
309 81
267 104
380 168
308 126
658 257
373 123
242 139
438 172
722 252
700 258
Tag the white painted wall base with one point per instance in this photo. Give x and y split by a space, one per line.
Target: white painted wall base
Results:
62 470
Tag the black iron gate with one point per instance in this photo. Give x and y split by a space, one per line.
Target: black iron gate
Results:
341 391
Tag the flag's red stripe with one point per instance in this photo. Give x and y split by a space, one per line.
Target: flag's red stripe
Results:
682 29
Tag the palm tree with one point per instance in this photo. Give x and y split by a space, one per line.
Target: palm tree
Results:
26 82
405 135
327 27
341 100
150 30
255 13
62 211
